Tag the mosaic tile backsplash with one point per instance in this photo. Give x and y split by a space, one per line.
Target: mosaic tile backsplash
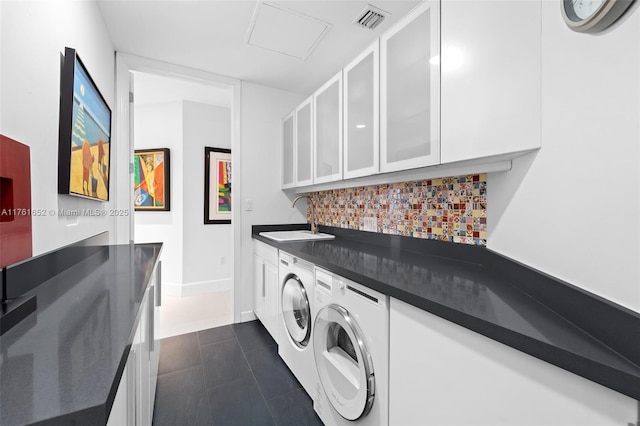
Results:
447 209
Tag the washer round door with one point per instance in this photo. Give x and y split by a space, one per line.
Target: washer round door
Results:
344 364
295 311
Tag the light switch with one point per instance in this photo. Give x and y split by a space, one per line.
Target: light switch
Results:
248 205
371 224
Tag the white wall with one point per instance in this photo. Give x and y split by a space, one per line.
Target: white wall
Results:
208 254
160 126
197 258
260 165
573 208
33 35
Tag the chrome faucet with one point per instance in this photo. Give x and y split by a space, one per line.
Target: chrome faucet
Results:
314 226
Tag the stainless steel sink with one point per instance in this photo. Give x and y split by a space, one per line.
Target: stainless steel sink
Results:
285 236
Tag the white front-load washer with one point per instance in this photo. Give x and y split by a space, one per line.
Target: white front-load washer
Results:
351 351
295 318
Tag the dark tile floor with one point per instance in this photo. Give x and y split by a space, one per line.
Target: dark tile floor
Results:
230 375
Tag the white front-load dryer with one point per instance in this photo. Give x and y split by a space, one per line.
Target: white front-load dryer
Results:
351 351
295 318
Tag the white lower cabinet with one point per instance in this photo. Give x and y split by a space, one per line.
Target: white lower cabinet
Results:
135 397
258 286
265 286
444 374
122 410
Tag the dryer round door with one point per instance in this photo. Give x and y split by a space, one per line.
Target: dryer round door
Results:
295 311
344 365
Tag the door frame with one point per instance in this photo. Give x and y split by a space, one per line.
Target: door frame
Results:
125 64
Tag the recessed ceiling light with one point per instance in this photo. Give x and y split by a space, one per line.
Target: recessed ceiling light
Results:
360 126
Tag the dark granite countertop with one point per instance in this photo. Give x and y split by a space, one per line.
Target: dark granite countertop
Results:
487 293
62 365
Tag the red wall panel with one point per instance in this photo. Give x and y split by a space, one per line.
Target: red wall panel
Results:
15 202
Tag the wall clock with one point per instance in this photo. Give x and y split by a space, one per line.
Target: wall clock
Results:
591 16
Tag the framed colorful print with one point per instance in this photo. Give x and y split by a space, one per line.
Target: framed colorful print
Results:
84 133
151 184
217 185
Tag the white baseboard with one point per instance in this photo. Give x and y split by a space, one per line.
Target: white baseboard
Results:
171 289
196 288
247 316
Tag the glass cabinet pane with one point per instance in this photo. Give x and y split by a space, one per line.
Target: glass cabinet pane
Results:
360 107
304 145
410 92
287 152
361 114
328 131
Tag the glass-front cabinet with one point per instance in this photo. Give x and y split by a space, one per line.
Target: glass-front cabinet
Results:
386 118
304 143
327 140
361 114
288 134
417 98
410 91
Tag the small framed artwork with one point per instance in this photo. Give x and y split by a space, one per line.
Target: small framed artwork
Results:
151 184
217 185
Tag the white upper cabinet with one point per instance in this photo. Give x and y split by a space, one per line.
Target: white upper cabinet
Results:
327 137
491 78
362 114
410 91
288 136
304 143
453 81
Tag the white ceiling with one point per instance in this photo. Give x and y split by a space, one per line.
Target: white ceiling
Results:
210 35
153 89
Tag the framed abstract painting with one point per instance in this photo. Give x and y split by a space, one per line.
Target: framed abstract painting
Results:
151 184
217 186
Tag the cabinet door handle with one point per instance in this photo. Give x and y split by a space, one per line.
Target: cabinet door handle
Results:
263 280
159 284
152 305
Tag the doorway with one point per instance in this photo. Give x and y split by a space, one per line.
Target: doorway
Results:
184 113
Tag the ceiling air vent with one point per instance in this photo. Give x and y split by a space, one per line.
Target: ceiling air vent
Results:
370 17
